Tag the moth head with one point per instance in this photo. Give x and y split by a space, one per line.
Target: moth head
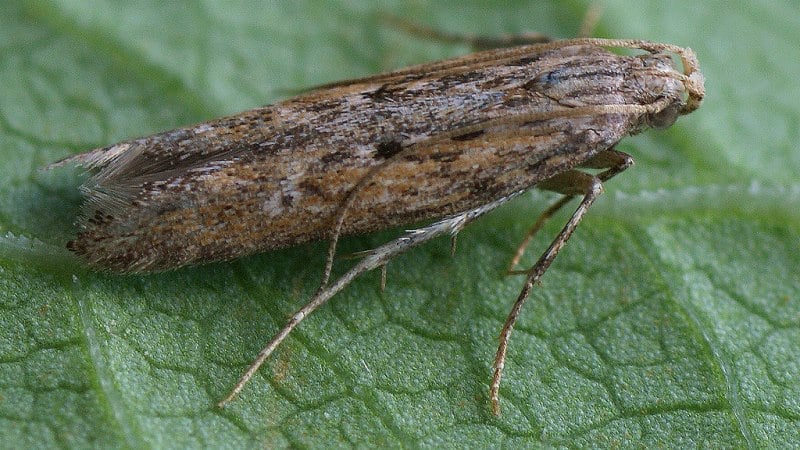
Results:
691 78
688 85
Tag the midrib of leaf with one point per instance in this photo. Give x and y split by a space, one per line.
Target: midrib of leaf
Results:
107 391
702 326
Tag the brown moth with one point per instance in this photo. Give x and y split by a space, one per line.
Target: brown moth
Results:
446 141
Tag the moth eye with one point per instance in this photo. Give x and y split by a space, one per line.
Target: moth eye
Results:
664 118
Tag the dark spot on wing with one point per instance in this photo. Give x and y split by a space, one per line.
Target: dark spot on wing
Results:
457 79
287 201
524 61
388 149
333 157
383 93
468 136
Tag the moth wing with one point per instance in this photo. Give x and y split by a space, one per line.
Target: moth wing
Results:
458 64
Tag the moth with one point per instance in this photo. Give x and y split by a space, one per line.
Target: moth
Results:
446 141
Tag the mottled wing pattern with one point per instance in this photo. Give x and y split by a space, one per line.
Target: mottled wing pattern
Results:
434 140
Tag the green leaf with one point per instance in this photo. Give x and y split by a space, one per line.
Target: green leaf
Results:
671 319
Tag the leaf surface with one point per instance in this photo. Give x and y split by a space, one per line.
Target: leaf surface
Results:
672 317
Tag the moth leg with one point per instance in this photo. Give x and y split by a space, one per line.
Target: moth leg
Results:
371 259
543 218
341 214
612 160
479 42
590 20
569 183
